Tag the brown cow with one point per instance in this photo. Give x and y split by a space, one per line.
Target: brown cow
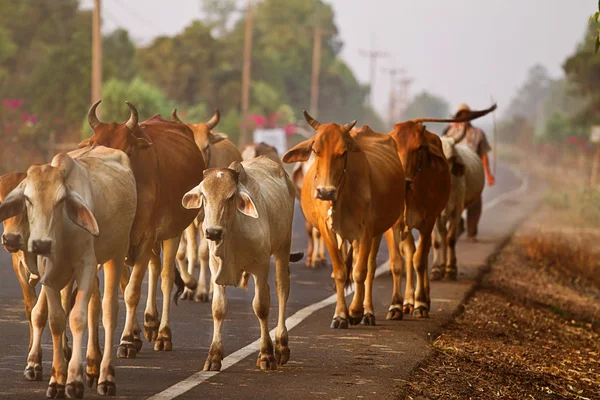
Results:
354 191
218 152
428 190
167 164
251 151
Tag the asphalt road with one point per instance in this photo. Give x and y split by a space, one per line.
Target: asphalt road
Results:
325 363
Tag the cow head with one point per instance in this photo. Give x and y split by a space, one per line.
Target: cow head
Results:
16 228
49 203
203 135
330 145
223 197
251 151
417 148
127 136
299 172
457 167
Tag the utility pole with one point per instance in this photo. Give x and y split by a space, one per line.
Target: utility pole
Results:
405 82
318 34
373 56
96 56
392 72
246 67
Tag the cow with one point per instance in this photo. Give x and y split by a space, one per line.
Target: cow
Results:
248 213
467 182
167 164
25 265
427 193
80 209
353 191
251 151
315 253
218 152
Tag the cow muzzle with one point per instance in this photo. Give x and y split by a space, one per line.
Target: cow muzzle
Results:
326 193
41 247
12 242
214 234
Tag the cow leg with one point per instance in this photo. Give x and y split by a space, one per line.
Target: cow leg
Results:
452 235
181 261
261 304
94 354
191 239
124 281
203 292
58 322
78 318
369 317
282 281
361 251
318 241
408 251
151 318
164 340
39 316
393 238
440 247
310 263
133 293
110 306
422 300
65 298
219 310
340 316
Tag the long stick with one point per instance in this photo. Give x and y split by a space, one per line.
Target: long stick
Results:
495 139
96 55
246 67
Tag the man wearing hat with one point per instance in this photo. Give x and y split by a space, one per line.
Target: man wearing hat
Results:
476 140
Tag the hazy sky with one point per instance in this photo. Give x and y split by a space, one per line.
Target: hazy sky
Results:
463 50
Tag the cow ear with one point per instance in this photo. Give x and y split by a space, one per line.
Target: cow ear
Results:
192 199
80 214
300 152
216 137
351 144
143 141
13 204
245 205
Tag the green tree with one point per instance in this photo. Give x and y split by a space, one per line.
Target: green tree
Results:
531 96
219 14
118 55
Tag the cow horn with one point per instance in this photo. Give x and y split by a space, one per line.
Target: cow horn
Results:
133 118
349 126
471 115
214 120
311 121
174 116
92 118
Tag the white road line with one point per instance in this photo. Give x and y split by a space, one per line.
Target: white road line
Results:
196 379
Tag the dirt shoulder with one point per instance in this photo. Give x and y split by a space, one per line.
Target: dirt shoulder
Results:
532 328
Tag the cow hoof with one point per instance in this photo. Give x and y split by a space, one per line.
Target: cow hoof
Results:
55 391
201 298
137 345
107 388
339 323
90 379
150 332
355 320
74 390
282 355
436 274
394 314
33 373
126 350
408 309
212 364
368 320
266 362
451 275
421 312
163 344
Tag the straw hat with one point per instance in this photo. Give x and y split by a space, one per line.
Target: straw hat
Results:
462 109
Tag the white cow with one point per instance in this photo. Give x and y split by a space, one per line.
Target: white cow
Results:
80 209
467 182
248 212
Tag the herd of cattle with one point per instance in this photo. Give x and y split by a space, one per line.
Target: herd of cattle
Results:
171 197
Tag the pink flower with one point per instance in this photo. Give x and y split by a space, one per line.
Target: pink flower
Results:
259 120
289 129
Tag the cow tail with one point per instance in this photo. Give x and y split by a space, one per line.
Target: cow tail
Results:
349 267
295 257
179 285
